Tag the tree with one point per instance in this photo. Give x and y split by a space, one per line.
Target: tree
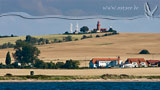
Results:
70 64
12 35
8 59
84 29
59 65
47 41
28 38
51 65
110 30
25 53
31 39
41 64
144 51
66 32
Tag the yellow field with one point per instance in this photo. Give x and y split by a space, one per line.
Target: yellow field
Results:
84 72
125 45
50 37
10 39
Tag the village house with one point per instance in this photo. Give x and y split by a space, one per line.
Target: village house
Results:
135 62
105 62
153 63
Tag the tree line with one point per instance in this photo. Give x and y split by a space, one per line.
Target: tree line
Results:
26 56
85 30
37 41
8 36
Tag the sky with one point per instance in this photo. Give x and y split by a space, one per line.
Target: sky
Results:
22 27
76 8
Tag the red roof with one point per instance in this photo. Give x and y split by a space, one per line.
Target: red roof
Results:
138 60
153 62
103 59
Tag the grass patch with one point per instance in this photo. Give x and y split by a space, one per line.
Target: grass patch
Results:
151 77
45 77
113 76
105 77
12 78
124 76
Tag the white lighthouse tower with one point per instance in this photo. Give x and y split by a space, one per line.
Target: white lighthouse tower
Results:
71 28
77 28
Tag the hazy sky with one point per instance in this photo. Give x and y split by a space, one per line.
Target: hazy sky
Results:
116 8
21 27
77 7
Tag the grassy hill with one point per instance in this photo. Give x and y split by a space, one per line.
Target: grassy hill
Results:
49 37
124 45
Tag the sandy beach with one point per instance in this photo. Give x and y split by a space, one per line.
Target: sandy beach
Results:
84 72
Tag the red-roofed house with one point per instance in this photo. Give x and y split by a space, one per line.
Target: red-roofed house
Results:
153 63
136 62
105 62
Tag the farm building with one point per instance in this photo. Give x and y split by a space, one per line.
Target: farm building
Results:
135 62
105 62
153 63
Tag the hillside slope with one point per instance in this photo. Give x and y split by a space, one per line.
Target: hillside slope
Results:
124 45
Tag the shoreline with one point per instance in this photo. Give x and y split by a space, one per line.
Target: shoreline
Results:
81 80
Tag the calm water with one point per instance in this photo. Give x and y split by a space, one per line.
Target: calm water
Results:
81 86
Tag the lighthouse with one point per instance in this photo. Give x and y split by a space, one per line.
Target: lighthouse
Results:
77 27
98 26
71 28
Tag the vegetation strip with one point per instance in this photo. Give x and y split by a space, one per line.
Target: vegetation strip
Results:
103 77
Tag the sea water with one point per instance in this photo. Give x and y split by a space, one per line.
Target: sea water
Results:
80 86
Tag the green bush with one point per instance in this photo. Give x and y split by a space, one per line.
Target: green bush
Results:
144 51
70 64
7 45
97 36
68 38
85 37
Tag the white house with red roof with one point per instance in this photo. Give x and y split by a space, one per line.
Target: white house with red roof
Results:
105 62
135 62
